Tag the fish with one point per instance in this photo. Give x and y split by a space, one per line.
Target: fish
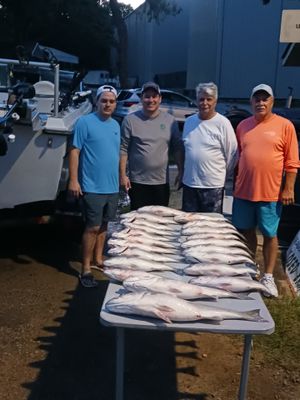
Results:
161 210
142 233
153 225
140 264
194 256
220 243
183 290
120 274
173 309
210 235
188 231
210 250
153 229
120 245
191 217
151 218
208 269
231 283
143 239
145 255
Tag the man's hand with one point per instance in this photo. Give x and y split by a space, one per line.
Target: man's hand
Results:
125 183
178 180
287 197
75 189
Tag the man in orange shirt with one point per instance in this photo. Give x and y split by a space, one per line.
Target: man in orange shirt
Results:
266 177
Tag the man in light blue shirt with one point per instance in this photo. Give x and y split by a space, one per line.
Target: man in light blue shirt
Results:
94 176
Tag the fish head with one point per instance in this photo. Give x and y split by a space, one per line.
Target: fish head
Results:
117 250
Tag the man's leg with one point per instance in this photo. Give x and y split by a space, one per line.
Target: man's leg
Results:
251 237
89 239
270 249
99 245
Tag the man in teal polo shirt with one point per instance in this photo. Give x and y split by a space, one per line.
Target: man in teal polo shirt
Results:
94 176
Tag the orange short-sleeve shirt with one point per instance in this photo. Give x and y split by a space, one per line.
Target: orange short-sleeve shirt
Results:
267 149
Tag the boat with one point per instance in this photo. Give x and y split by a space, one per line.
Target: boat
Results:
39 105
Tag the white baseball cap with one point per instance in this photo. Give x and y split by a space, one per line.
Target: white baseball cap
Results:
106 88
262 87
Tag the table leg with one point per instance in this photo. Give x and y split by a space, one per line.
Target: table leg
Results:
120 363
245 367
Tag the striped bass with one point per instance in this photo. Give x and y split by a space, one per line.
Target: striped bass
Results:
150 217
145 255
209 235
160 230
220 269
170 308
217 257
142 233
129 238
208 229
215 250
191 217
220 243
233 284
161 210
120 274
118 246
139 264
183 290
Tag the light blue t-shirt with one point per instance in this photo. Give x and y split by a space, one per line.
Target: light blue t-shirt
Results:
99 144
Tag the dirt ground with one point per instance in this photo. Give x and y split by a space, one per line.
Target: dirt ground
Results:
52 346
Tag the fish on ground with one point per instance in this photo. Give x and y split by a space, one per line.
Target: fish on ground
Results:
145 255
171 308
118 246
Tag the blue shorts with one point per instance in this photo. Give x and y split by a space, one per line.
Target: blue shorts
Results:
99 208
262 214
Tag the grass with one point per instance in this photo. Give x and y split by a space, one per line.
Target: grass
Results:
283 346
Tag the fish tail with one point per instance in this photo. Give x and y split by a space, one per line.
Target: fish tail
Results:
255 316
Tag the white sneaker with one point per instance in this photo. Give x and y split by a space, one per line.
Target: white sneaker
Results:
270 285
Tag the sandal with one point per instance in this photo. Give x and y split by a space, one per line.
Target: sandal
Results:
87 280
97 267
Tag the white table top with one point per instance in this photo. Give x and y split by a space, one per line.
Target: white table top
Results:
226 326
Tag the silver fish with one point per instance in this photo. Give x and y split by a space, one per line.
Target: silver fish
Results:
120 274
215 251
170 308
130 238
154 225
188 231
231 283
183 290
145 255
191 217
162 230
145 234
217 257
139 264
220 269
120 245
161 210
222 243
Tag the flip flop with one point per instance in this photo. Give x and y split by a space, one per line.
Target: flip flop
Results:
97 267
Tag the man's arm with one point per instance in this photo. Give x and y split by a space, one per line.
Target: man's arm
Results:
288 194
74 186
124 180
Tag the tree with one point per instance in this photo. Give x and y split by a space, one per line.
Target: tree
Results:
154 9
80 27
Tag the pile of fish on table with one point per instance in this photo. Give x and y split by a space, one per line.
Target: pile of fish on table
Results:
165 258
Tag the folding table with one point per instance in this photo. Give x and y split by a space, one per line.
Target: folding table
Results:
246 328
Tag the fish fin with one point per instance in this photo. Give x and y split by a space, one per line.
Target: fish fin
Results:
161 312
243 296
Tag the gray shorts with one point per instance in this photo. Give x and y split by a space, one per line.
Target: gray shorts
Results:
99 208
202 200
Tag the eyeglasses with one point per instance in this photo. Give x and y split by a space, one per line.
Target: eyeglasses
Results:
106 101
